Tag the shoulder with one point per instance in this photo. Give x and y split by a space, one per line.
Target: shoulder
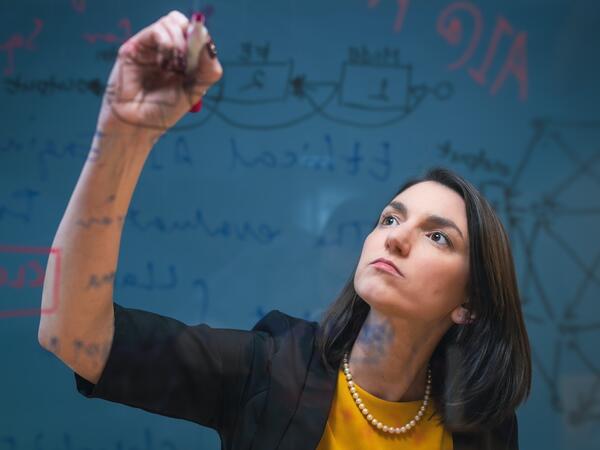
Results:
278 324
286 335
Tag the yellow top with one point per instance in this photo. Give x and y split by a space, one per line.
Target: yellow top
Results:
347 428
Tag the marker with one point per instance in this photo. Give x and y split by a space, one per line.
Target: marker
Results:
197 38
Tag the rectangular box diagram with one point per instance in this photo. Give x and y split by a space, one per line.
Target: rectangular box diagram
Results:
375 87
256 82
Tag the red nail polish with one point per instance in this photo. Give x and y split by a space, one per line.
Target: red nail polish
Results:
197 107
198 17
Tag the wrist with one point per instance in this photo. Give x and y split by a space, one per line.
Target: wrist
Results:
134 136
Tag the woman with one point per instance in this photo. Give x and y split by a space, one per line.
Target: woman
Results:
452 304
425 347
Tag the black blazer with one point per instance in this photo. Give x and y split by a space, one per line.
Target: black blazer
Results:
261 389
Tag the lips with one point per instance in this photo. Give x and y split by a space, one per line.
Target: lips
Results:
389 263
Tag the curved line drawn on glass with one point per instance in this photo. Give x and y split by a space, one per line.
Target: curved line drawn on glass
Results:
374 89
545 212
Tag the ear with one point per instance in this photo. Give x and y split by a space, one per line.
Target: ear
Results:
461 315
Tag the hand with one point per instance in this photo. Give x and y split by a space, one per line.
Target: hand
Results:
149 86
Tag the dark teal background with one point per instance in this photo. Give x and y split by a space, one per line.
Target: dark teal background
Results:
282 181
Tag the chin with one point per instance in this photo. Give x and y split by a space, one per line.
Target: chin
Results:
374 290
381 299
378 298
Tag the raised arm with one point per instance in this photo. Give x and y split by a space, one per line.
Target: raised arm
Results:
152 85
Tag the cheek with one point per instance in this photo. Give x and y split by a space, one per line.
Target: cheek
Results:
367 253
444 282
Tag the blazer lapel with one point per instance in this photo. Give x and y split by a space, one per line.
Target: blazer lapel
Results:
289 366
308 424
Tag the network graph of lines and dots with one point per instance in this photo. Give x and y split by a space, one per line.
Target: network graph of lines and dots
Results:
551 208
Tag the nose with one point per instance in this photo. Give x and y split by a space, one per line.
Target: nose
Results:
398 239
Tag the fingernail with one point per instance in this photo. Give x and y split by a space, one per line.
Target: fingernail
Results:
198 17
197 107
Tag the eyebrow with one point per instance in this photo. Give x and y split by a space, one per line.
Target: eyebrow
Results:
433 219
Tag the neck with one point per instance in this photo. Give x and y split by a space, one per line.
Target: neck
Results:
390 356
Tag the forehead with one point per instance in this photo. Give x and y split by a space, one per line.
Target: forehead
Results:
432 198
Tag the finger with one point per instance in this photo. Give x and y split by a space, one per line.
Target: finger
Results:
165 47
162 42
179 19
170 54
172 25
208 72
148 47
209 68
150 39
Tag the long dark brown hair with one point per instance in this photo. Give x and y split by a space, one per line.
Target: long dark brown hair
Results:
481 372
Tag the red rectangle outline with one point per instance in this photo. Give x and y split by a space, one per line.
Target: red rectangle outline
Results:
55 288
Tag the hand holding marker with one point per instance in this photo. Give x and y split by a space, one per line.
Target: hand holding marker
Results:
160 72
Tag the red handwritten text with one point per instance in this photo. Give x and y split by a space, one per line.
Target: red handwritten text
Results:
400 14
28 274
451 25
20 279
111 38
18 41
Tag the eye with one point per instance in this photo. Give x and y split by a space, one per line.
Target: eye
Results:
439 233
384 218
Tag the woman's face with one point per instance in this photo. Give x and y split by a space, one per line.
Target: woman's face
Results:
416 234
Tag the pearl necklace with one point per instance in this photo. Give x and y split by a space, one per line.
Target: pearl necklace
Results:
372 420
